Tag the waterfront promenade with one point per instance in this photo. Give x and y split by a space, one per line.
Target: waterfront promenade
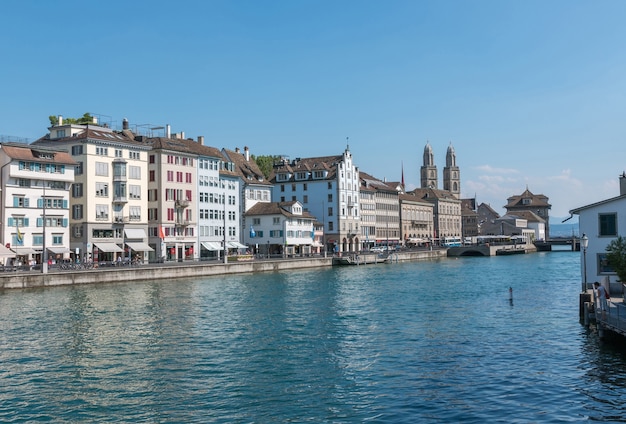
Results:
20 278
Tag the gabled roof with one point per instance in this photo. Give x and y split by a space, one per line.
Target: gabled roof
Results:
37 153
536 200
600 203
529 216
433 193
327 163
277 208
247 169
375 183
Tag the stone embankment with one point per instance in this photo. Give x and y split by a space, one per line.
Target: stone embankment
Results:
171 271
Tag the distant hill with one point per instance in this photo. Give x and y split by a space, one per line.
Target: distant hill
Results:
564 230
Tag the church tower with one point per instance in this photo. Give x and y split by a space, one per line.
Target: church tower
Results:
428 170
452 174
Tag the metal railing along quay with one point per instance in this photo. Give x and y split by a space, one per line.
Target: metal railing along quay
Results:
613 318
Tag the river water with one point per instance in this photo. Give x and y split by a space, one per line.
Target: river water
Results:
425 342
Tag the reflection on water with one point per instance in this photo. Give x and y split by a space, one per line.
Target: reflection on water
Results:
420 342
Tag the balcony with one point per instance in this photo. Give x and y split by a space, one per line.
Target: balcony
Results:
120 199
120 219
182 204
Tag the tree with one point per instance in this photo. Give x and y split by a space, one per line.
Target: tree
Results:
616 256
266 164
85 119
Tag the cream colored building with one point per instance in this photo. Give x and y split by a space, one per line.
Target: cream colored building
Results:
109 197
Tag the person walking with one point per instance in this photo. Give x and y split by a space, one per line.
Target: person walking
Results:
601 295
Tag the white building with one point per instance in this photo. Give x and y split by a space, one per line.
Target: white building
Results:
35 201
601 222
329 188
279 228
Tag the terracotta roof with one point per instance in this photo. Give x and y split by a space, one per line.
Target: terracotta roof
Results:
31 153
375 183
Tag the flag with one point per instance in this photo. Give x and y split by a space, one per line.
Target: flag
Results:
252 232
20 236
161 234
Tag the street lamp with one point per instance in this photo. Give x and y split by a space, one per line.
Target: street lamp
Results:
584 242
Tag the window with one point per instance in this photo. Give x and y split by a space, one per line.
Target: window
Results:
77 150
134 172
151 159
102 189
134 155
77 212
102 212
102 151
78 169
151 176
276 220
330 226
256 221
119 153
330 211
330 197
293 187
20 202
170 175
134 191
77 190
305 199
102 169
607 223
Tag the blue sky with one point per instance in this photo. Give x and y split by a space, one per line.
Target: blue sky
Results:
529 93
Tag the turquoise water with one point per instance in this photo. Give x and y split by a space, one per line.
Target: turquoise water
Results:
419 342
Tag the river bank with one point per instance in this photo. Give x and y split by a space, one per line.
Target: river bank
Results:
177 270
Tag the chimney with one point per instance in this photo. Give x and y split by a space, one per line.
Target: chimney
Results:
246 153
168 131
201 139
236 149
125 124
60 120
622 184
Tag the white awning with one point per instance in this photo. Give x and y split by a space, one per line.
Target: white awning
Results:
211 246
24 251
4 251
235 245
140 247
317 244
59 250
108 247
135 233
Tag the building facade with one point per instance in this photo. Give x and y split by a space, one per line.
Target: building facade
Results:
35 204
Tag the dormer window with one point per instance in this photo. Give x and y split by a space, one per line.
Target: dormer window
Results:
526 201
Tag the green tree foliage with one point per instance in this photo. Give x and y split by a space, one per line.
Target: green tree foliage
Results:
616 256
266 163
85 119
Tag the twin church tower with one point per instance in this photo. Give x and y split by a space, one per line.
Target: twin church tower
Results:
451 172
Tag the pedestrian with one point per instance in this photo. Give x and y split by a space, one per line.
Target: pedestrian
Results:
602 295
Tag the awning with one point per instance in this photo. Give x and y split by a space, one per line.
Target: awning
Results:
211 246
5 251
108 247
59 250
317 244
135 233
140 247
23 251
235 245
